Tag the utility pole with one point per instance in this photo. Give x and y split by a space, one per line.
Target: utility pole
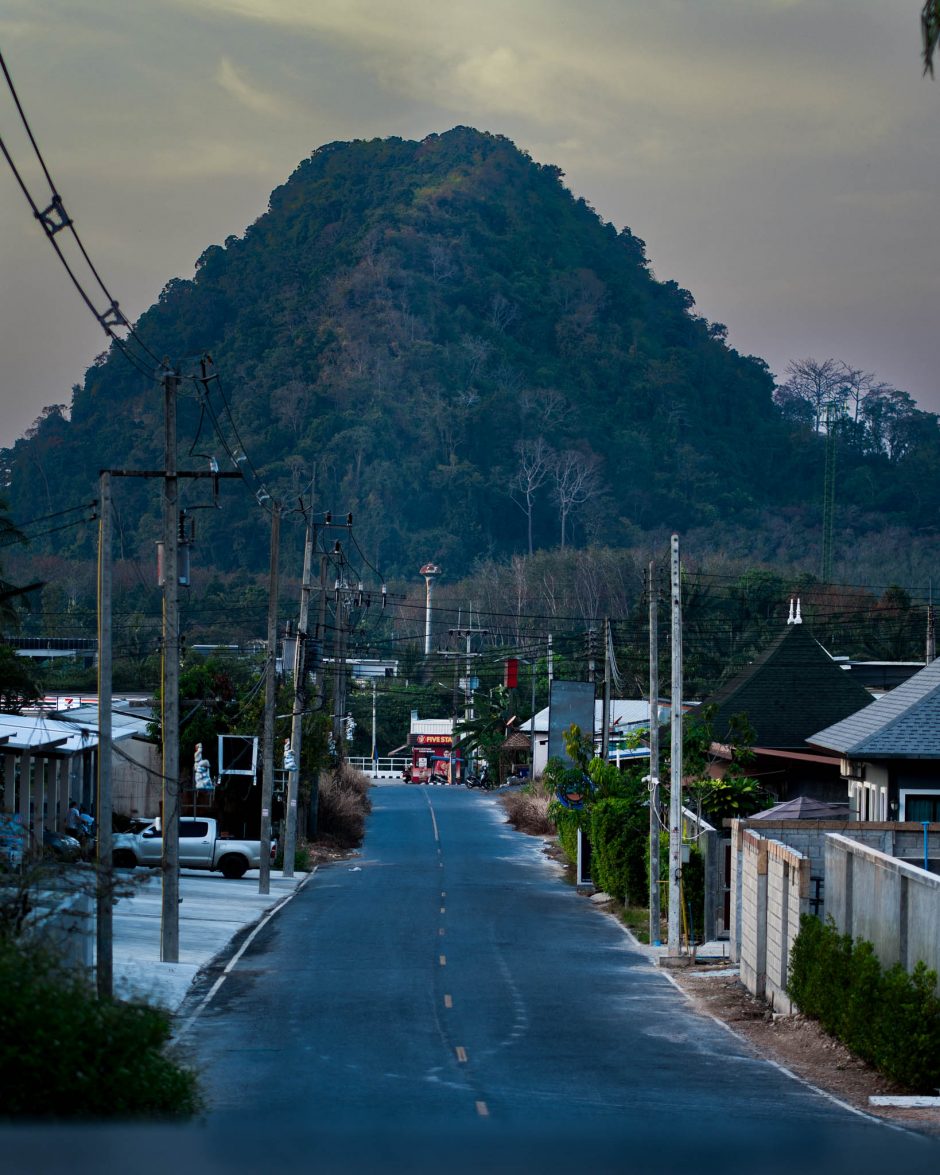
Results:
375 758
533 664
551 662
169 475
655 917
675 777
104 970
270 690
339 657
170 913
930 653
313 810
605 717
591 640
300 704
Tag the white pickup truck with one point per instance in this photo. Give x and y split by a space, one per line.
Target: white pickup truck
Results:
201 847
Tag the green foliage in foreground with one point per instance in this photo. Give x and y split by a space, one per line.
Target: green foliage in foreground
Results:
64 1053
889 1018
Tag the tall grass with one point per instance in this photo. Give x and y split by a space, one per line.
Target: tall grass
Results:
344 805
527 809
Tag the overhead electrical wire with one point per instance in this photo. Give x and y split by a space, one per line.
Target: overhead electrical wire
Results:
55 219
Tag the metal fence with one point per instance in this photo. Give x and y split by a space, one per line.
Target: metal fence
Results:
384 767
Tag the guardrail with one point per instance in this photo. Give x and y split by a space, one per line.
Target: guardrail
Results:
384 767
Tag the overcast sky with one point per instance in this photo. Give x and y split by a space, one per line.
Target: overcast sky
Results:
779 157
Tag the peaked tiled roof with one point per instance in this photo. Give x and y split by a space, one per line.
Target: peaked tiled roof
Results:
904 724
791 690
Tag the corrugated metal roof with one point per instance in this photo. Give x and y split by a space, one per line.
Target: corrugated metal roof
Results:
904 724
60 735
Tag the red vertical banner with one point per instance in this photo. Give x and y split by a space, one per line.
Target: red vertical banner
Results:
511 678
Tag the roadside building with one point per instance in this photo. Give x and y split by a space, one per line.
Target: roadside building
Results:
889 752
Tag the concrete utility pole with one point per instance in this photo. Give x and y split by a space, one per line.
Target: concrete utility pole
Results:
605 717
675 777
300 704
533 664
104 971
313 809
375 758
270 691
170 913
339 657
655 916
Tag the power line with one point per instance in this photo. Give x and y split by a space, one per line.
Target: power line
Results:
54 219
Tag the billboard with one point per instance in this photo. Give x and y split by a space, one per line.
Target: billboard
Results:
238 754
569 701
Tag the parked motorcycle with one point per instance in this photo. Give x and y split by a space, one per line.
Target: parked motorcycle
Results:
483 780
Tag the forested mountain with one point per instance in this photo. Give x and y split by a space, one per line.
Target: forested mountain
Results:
473 362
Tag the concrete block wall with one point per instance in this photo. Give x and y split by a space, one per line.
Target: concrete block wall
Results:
893 905
774 886
752 945
788 891
809 838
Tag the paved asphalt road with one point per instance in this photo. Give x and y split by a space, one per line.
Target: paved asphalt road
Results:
446 1001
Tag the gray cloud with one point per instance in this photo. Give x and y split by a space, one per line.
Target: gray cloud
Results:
779 156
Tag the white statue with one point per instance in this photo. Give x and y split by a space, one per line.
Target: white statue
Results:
202 774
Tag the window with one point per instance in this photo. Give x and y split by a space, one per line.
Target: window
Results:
193 829
921 807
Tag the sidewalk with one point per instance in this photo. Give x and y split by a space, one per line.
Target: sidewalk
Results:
213 909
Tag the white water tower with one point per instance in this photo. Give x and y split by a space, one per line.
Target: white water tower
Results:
430 571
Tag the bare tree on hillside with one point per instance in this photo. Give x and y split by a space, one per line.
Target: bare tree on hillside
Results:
574 482
535 458
814 386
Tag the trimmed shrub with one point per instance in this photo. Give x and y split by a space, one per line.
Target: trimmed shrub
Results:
889 1018
568 821
619 830
65 1053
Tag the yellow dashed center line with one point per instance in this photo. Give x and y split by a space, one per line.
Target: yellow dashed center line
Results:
461 1054
483 1109
443 960
441 931
448 1001
443 909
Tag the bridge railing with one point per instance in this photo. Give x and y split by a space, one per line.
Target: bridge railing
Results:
384 767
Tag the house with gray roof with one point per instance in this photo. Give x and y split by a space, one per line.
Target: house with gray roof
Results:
890 751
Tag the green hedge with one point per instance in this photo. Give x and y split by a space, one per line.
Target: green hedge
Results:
64 1053
619 832
567 821
889 1018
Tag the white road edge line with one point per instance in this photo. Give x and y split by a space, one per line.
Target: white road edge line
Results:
229 966
831 1097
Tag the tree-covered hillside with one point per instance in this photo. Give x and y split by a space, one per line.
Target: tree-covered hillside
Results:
473 362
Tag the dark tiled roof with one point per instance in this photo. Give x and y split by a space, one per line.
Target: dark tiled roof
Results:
904 724
791 690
